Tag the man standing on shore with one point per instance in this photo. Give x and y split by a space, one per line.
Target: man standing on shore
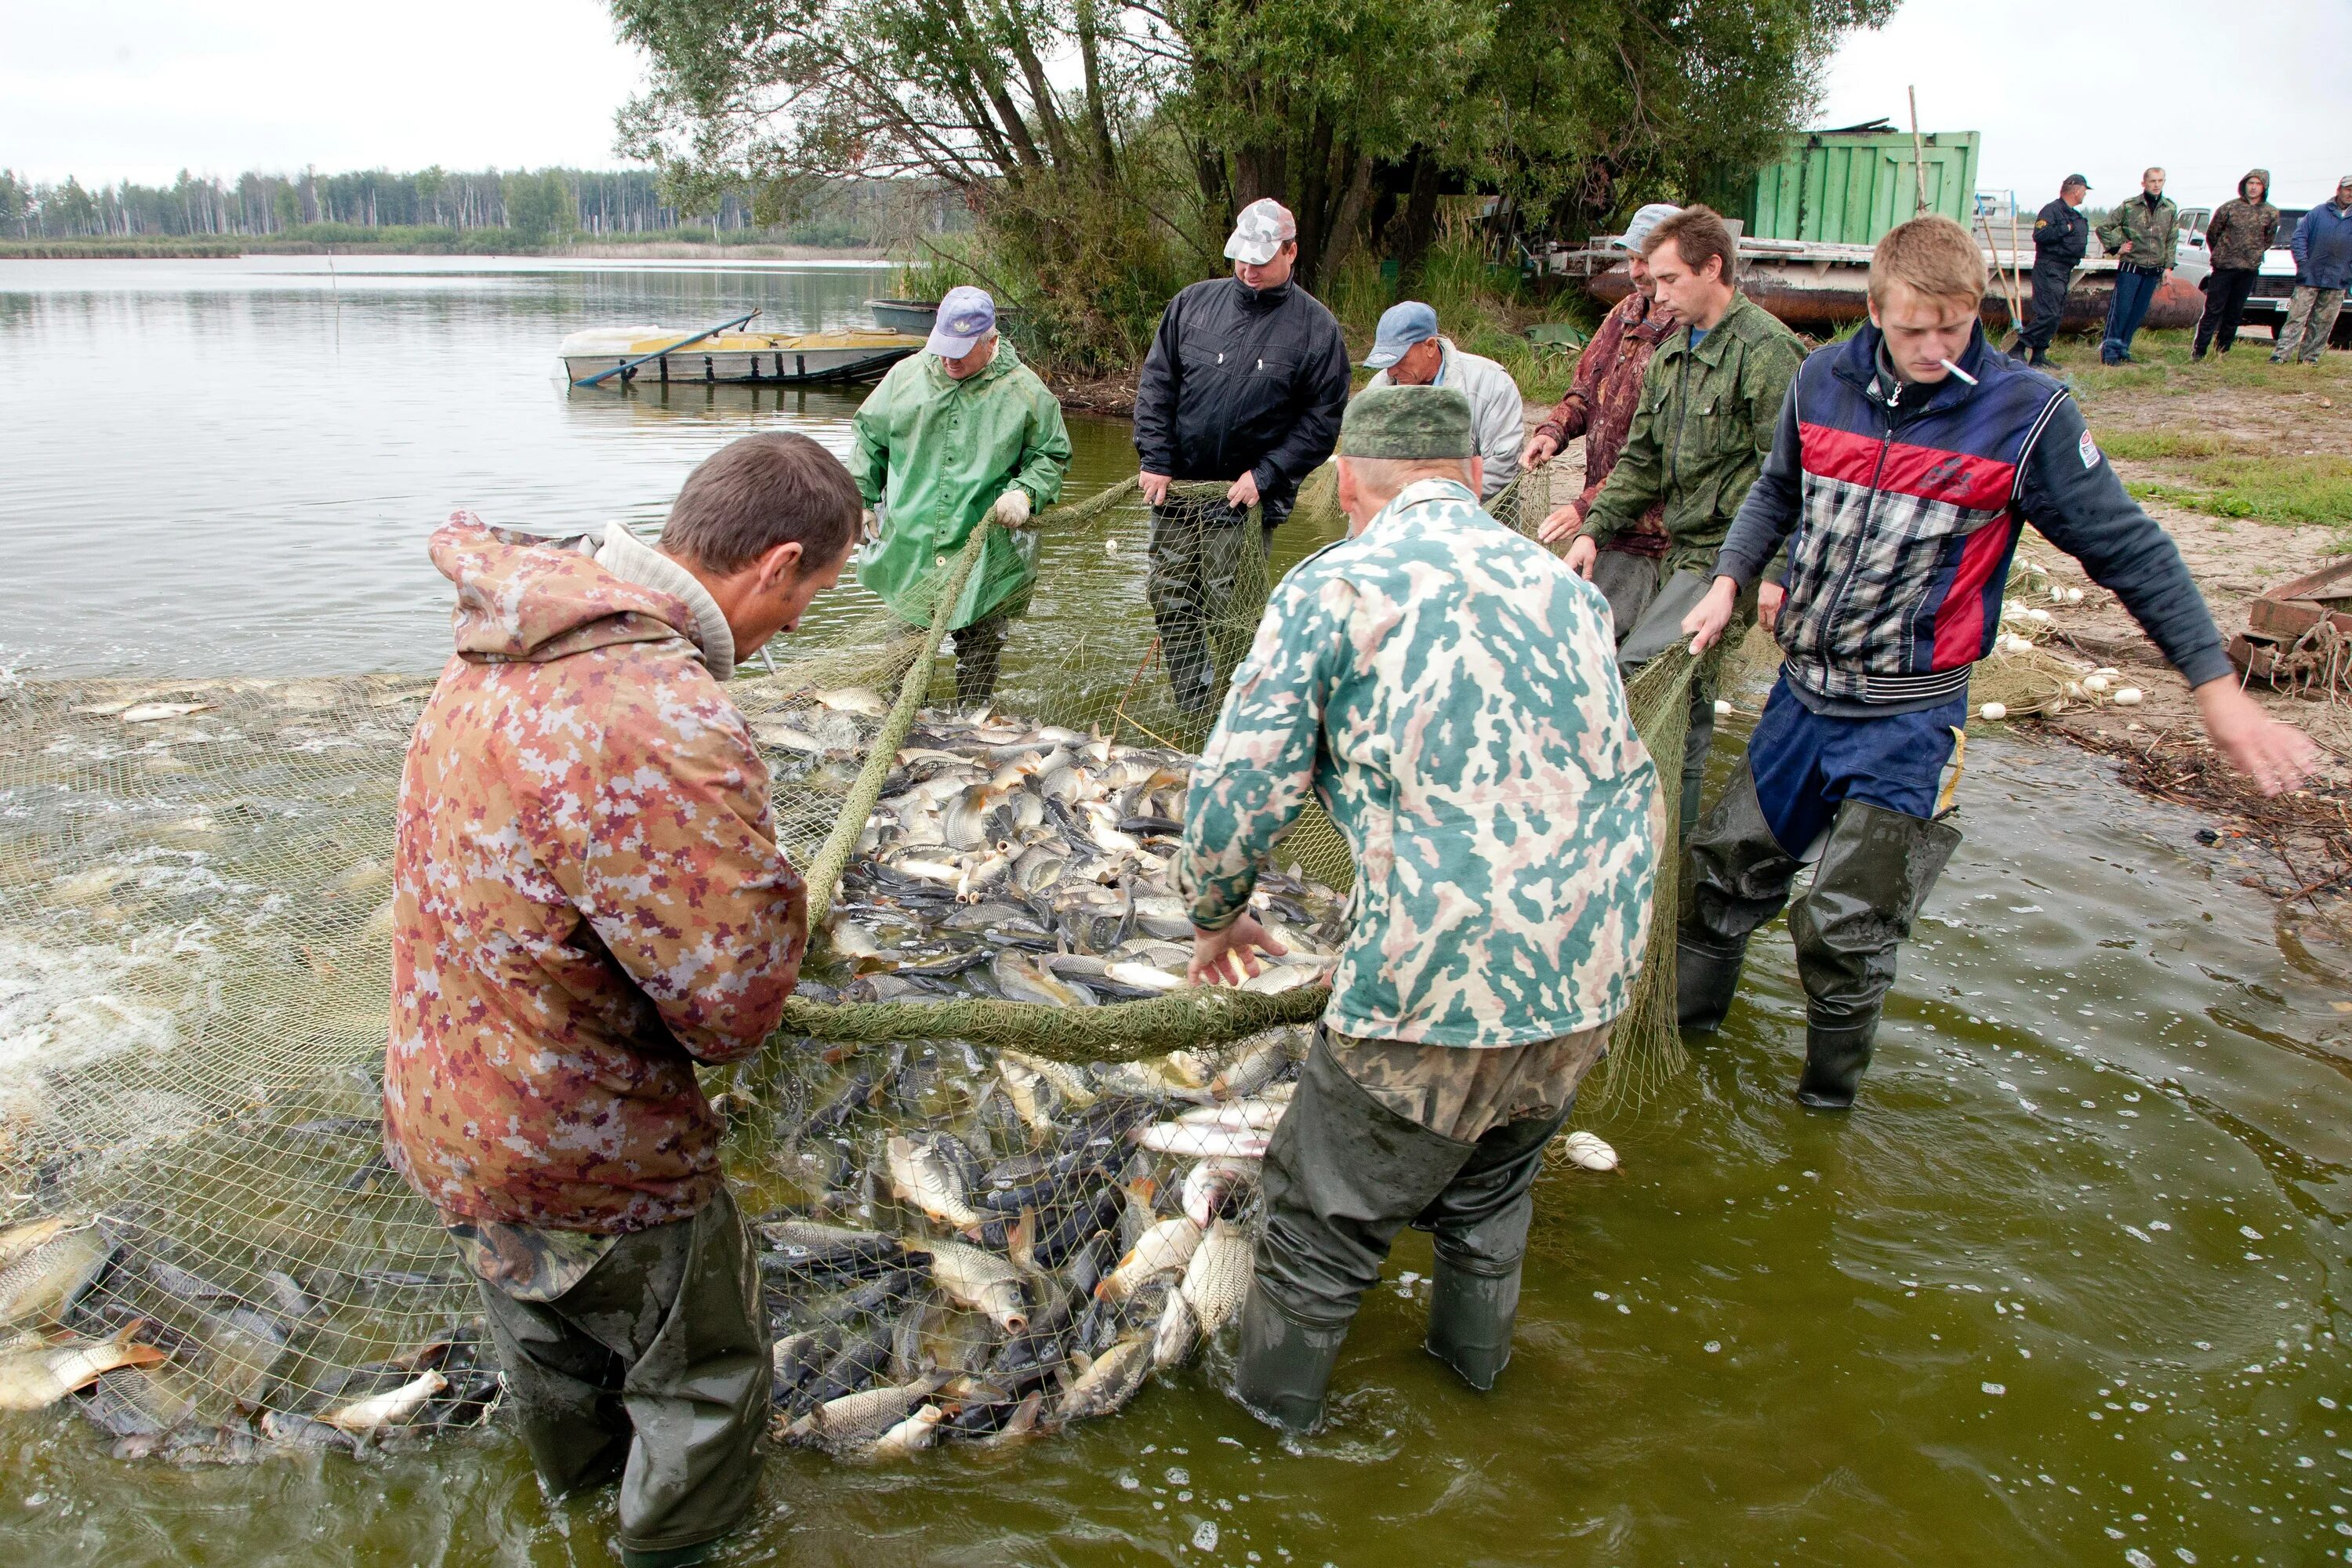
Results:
588 902
2323 269
1245 385
2062 237
2237 236
1710 402
951 438
1598 406
1443 686
1408 352
2141 235
1909 459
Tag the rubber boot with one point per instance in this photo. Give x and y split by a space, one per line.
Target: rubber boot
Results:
1284 1368
1739 880
675 1557
1876 870
1470 1319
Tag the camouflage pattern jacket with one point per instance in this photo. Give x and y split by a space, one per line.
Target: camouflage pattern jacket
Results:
588 900
1600 406
1448 691
1706 418
2241 230
2153 235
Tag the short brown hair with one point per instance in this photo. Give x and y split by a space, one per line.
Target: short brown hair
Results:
1934 255
1697 233
752 495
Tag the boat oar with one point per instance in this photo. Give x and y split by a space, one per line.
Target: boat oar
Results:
627 366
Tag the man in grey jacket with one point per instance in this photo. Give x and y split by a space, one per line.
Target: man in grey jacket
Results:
1408 352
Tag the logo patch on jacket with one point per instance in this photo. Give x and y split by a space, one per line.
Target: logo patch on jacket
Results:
1952 470
2090 450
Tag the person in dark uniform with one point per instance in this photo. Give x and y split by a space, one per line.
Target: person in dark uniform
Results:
2061 235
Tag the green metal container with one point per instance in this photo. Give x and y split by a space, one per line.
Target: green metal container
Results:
1848 187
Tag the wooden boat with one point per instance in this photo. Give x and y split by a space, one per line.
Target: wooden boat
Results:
904 315
668 356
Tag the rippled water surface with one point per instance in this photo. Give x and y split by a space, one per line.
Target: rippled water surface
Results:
2064 1290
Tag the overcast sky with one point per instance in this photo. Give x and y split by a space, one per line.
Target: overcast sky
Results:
139 89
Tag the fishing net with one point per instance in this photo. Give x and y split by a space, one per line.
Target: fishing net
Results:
999 1160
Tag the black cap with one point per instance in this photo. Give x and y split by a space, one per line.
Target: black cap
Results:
2074 180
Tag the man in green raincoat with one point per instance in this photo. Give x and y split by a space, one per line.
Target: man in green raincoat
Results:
953 437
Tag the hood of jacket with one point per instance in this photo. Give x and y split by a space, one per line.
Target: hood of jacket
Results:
525 599
2250 177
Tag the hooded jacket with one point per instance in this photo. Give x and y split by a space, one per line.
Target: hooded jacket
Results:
587 900
1242 379
2240 231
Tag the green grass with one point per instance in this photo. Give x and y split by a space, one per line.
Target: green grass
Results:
2268 488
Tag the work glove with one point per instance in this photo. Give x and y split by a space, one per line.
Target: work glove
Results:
1012 508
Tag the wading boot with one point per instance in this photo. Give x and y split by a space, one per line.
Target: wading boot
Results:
1470 1319
1284 1367
1739 878
1876 869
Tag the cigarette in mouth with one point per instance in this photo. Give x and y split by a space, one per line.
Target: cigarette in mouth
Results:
1956 370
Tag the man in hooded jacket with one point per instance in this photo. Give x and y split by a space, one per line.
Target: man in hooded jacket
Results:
2236 237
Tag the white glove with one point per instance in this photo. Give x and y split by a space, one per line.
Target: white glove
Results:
1012 508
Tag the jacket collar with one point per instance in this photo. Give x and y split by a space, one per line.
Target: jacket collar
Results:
1709 350
1420 492
1264 298
1857 366
999 363
632 561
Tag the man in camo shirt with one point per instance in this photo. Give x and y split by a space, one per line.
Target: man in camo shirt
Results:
1446 689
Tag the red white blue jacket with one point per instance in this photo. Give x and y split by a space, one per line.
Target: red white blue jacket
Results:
1902 506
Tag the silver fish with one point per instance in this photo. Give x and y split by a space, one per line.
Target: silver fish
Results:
916 1432
1179 1331
29 1380
923 1177
390 1408
1203 1143
1218 1278
1167 1245
48 1275
1209 1185
981 1280
1107 1385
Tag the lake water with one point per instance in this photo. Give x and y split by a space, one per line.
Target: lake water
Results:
2064 1289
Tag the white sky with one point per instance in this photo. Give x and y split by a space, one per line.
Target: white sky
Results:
139 89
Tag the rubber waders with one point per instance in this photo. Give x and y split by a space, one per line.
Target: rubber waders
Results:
1876 872
1284 1368
1739 880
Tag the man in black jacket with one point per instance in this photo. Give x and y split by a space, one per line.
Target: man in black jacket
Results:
1248 376
2061 236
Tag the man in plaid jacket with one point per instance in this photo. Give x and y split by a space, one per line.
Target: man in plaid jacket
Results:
1908 459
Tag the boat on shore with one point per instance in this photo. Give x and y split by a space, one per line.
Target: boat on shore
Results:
666 355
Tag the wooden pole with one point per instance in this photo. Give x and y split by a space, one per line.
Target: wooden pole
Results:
1918 155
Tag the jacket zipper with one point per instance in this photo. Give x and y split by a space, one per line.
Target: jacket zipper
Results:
1681 417
1869 506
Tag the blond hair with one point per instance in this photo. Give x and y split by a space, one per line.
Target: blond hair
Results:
1932 256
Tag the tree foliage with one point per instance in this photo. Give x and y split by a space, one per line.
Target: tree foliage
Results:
1105 144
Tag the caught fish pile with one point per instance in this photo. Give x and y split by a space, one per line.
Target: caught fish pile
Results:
1027 1260
1032 864
173 1364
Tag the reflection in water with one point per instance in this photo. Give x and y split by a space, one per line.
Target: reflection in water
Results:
2064 1290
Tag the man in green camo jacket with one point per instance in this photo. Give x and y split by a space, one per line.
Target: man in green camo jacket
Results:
1447 691
1710 407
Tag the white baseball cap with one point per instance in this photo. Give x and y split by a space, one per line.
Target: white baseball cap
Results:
1264 228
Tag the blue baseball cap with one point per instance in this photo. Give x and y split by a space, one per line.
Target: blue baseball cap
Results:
966 316
1401 326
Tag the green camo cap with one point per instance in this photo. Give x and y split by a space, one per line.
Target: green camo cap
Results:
1415 422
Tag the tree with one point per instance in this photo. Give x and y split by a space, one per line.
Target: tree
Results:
539 203
1123 133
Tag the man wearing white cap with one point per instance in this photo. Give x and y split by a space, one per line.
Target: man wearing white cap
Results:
1245 385
1408 352
957 434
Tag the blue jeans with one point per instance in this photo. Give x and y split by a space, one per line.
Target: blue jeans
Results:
2126 310
1806 765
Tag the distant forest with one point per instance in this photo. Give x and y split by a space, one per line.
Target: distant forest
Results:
539 205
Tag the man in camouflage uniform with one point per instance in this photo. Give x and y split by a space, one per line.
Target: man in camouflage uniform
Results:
1443 687
1710 404
2237 236
588 903
2141 234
